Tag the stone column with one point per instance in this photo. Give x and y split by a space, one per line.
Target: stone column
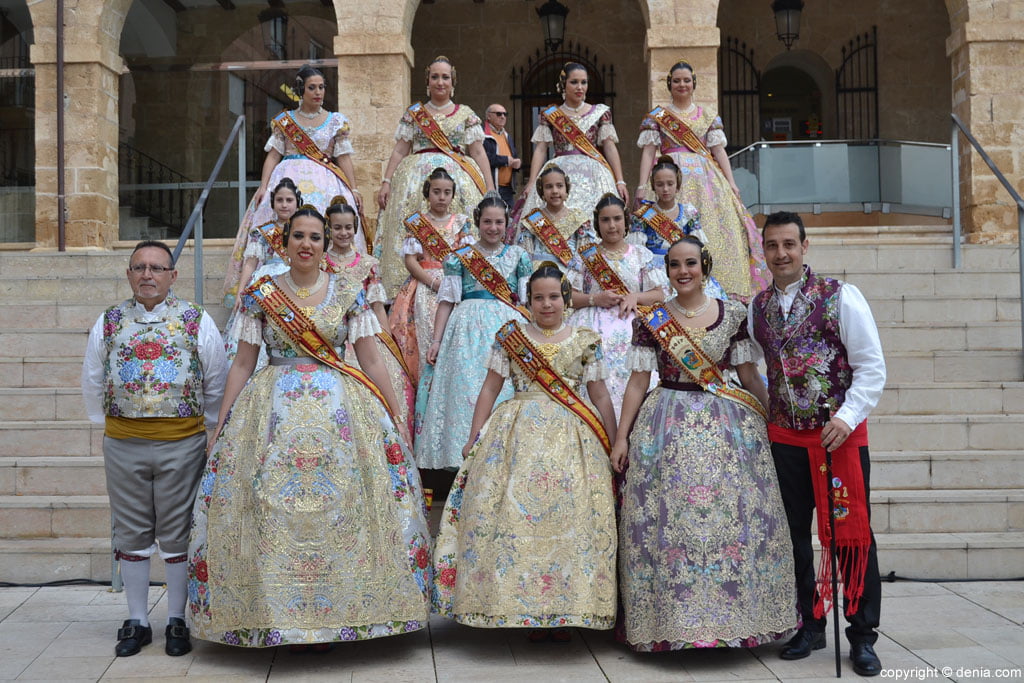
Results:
988 96
698 45
91 72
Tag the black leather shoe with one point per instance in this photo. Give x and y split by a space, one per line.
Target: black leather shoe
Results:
178 642
131 637
865 661
801 645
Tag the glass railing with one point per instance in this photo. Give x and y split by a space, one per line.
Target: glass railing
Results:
818 176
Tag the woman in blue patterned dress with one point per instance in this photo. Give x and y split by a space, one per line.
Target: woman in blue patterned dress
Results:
309 525
468 316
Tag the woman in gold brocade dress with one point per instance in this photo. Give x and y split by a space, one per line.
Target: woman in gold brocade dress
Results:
415 156
309 525
707 184
527 537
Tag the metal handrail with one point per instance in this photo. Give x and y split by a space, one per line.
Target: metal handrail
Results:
195 220
959 127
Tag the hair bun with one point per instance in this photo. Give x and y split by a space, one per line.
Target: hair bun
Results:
338 200
665 159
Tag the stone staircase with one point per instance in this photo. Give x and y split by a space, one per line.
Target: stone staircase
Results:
947 453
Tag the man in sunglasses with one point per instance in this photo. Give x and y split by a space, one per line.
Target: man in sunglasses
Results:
501 152
154 367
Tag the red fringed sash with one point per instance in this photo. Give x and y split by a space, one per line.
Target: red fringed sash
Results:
433 131
489 278
853 530
275 238
548 234
558 119
602 272
660 223
434 244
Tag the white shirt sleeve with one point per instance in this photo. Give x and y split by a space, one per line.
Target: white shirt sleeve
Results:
93 373
859 335
750 329
215 367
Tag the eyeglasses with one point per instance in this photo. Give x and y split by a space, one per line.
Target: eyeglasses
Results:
156 270
500 113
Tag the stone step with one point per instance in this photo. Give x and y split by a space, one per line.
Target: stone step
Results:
71 475
935 336
98 290
991 469
918 282
909 511
946 432
953 366
104 263
922 398
55 516
31 438
945 308
832 254
33 372
47 403
973 555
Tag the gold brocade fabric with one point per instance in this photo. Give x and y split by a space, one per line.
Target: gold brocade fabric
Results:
705 558
462 128
528 533
309 523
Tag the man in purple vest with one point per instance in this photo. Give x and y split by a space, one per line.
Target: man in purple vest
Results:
825 374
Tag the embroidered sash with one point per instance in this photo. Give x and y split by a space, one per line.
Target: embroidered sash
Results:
537 368
301 331
275 238
548 234
434 244
432 130
693 360
660 223
305 144
560 120
392 347
679 132
490 278
603 273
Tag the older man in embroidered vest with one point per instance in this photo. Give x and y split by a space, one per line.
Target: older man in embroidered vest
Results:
825 374
154 367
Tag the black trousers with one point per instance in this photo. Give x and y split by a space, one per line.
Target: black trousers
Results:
794 472
508 195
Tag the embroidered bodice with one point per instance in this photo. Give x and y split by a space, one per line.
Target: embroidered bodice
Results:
596 124
578 359
704 123
331 136
512 262
685 216
462 126
634 267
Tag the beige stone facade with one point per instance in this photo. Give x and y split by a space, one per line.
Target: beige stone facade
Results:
935 56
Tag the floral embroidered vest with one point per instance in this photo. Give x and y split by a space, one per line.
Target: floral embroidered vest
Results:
808 370
153 368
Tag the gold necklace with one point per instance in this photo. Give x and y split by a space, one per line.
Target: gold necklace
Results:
614 253
306 292
546 332
687 312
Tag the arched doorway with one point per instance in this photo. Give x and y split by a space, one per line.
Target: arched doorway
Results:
17 125
791 105
191 72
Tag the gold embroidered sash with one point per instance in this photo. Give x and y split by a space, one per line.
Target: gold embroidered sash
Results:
602 272
434 244
675 340
275 238
679 132
537 369
301 331
293 131
558 119
490 278
660 223
432 130
392 347
549 235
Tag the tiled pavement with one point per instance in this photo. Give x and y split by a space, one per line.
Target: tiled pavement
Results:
67 634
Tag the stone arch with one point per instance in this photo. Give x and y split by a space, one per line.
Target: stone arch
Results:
812 64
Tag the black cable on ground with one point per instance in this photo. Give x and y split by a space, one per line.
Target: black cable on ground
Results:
64 582
892 577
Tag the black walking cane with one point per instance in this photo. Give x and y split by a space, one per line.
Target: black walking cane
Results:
832 556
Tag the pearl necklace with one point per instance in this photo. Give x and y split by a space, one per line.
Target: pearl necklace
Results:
575 111
489 253
314 115
687 312
677 110
614 253
431 105
546 332
306 292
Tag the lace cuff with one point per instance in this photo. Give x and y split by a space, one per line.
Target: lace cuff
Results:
375 293
574 276
276 142
473 134
743 351
450 289
365 324
656 277
411 245
594 371
498 361
406 130
641 359
341 146
542 134
715 138
247 329
606 132
256 248
648 137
